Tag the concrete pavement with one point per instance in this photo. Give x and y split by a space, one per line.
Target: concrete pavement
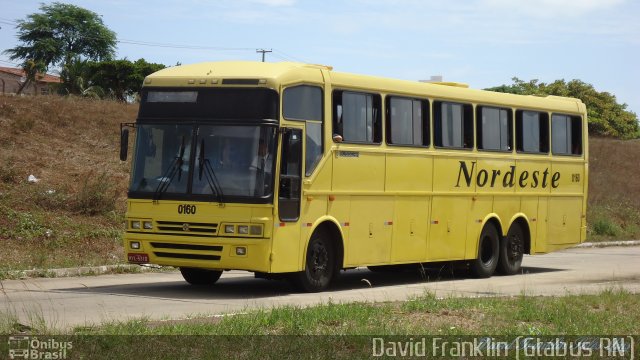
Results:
78 301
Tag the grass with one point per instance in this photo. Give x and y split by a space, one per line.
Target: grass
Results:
74 215
613 211
614 311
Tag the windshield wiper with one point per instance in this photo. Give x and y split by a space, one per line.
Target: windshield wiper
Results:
206 168
167 177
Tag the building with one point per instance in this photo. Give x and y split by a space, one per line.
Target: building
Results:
12 78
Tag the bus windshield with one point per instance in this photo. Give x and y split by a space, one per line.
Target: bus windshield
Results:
230 163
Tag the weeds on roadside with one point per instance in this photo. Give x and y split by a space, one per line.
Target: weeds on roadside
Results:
95 196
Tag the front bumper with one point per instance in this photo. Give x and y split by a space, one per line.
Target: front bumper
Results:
218 253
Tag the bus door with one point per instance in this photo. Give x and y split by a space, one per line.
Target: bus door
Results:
286 244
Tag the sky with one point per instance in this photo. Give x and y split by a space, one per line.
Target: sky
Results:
483 43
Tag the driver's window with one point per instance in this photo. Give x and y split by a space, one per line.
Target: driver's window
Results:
290 175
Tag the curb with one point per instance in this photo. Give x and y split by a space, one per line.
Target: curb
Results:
609 243
80 271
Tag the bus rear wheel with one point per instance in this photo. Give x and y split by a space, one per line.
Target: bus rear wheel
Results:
511 251
195 276
488 253
320 267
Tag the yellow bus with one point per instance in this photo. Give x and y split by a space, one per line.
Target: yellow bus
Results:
295 170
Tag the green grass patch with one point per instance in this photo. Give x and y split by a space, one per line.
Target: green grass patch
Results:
614 220
609 312
346 330
40 239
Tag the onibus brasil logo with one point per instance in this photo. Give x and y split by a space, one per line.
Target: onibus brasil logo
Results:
31 347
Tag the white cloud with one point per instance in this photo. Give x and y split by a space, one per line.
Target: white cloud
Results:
551 8
276 3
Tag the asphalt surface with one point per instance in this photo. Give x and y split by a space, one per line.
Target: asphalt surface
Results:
91 300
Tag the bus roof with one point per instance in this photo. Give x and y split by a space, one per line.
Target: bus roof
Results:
209 73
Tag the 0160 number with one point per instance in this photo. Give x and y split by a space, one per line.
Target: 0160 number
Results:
187 209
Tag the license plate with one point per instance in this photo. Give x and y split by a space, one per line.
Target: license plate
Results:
138 258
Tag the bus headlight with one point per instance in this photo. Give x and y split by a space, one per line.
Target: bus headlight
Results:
242 230
135 245
147 225
135 225
255 230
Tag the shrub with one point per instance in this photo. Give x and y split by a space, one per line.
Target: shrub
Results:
606 227
96 195
8 172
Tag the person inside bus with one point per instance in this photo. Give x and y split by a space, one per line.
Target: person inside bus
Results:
262 163
263 160
227 156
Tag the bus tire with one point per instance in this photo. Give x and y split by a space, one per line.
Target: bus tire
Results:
195 276
511 251
320 266
488 252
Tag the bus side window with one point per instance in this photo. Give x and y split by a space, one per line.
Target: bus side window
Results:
532 132
566 135
453 125
407 121
493 128
304 103
356 117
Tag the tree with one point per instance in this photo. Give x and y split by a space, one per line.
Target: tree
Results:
60 34
79 80
31 70
606 117
122 78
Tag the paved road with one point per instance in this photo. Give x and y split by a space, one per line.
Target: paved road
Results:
65 302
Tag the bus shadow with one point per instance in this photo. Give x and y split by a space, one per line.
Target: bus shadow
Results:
248 287
363 278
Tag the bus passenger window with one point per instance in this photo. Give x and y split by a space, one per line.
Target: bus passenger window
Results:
408 121
493 128
566 135
532 131
356 117
453 125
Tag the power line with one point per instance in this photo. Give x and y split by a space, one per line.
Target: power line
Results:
180 46
285 56
282 55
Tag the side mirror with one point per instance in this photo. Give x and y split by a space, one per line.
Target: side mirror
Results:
124 143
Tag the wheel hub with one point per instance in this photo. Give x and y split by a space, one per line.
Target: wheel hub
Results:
320 259
515 247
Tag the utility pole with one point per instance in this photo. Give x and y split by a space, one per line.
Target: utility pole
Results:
263 51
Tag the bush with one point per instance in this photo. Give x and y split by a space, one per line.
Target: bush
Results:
96 195
606 227
8 172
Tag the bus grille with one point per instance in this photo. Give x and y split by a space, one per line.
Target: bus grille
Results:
187 228
198 252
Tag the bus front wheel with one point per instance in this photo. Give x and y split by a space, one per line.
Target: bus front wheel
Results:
511 251
195 276
488 253
319 265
